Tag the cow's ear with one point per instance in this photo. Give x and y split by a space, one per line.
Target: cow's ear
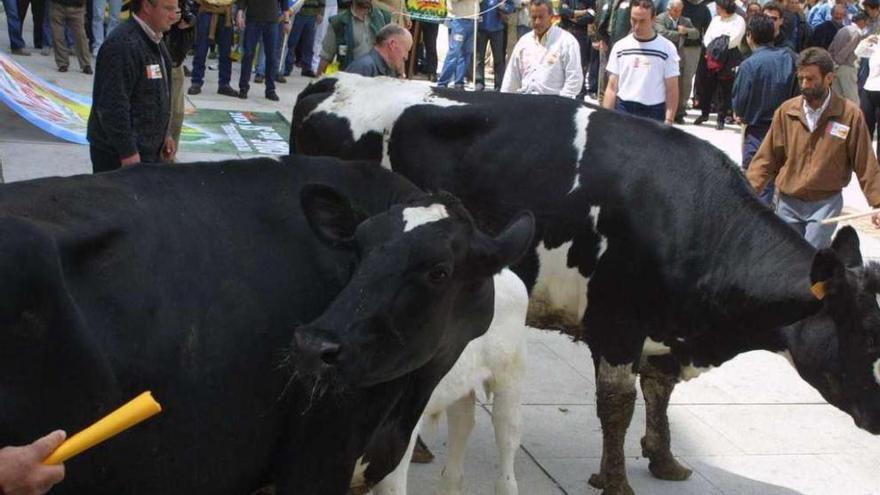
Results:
329 213
507 247
846 245
824 273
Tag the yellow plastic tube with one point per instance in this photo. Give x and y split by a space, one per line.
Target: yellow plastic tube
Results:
138 409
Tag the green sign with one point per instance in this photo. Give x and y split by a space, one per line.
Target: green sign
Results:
227 131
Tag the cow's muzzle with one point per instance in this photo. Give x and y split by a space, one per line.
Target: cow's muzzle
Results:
315 354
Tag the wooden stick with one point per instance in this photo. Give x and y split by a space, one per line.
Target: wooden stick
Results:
850 216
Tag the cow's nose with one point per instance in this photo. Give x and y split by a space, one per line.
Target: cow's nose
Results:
325 350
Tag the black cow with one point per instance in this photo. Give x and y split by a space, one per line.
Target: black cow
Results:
685 269
195 282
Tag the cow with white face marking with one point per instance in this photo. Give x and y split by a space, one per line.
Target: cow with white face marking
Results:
683 267
196 281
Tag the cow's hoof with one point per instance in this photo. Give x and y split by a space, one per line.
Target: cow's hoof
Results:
669 469
597 481
421 453
624 489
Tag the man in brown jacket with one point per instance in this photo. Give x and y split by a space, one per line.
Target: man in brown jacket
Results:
815 143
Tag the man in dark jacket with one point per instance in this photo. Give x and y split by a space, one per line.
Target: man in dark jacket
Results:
131 99
825 32
575 17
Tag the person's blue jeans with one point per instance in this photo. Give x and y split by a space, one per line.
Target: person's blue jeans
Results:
302 37
752 138
99 32
653 112
260 69
805 217
13 24
254 31
223 38
461 47
115 10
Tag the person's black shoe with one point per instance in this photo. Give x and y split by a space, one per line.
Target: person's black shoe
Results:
227 91
242 93
479 87
701 119
259 79
88 70
186 71
308 73
271 95
679 120
432 77
63 68
459 86
194 90
280 79
719 124
24 52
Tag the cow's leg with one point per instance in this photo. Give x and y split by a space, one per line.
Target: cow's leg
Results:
507 420
615 401
395 482
460 418
657 386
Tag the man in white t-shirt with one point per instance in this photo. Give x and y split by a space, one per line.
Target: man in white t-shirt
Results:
643 69
545 61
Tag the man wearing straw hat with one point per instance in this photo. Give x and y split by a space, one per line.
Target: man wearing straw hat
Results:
816 141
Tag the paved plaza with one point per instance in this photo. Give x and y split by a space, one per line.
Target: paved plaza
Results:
751 427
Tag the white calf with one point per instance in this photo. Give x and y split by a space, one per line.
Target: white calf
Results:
495 363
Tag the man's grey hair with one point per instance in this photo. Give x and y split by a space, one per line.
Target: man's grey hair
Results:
673 3
390 31
536 3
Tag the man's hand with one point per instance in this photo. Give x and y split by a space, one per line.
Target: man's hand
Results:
169 149
22 471
131 160
319 18
875 219
287 27
240 20
682 30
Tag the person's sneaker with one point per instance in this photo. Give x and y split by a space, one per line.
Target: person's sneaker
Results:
242 93
259 79
63 68
45 51
88 70
24 52
271 95
227 91
308 73
280 79
194 90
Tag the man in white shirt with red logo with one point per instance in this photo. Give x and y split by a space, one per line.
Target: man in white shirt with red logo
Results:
643 69
545 61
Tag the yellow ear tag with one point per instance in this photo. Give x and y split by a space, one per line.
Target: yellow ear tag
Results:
818 290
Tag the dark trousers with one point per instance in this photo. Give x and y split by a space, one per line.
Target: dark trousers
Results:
253 32
223 38
429 41
496 41
752 138
38 13
653 112
103 161
593 73
586 47
301 42
870 103
712 84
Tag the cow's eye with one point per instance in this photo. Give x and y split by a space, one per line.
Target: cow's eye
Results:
438 274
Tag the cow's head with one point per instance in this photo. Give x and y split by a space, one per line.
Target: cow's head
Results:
421 288
838 350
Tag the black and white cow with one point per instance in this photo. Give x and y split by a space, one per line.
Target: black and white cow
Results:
684 268
195 282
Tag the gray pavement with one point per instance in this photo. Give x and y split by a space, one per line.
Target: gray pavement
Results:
750 427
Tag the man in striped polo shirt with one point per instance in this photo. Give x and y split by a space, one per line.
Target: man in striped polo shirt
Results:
643 69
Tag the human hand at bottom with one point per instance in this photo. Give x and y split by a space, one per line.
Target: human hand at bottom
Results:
22 471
